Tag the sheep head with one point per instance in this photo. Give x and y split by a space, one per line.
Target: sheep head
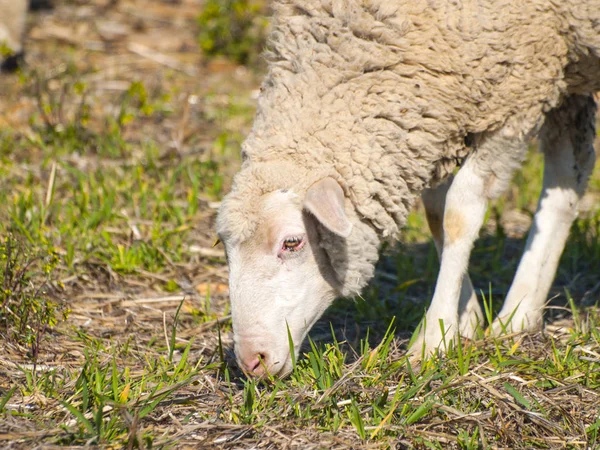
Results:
281 277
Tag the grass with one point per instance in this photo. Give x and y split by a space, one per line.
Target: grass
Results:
112 166
233 28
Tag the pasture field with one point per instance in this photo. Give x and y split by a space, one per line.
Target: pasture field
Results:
118 139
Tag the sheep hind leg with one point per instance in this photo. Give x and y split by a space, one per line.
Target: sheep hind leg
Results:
470 315
567 138
484 175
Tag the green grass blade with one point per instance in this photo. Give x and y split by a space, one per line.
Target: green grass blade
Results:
517 396
291 347
79 416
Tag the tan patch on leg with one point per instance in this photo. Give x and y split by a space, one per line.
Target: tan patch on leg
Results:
435 225
454 224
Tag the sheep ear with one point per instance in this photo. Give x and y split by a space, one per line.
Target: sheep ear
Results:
325 200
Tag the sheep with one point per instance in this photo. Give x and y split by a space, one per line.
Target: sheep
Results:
369 104
12 28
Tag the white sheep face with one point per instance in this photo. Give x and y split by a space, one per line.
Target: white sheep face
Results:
280 278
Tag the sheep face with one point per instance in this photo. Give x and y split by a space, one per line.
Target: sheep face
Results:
280 279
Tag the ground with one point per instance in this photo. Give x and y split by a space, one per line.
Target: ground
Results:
117 140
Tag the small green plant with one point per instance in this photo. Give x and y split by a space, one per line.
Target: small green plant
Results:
5 50
26 311
233 28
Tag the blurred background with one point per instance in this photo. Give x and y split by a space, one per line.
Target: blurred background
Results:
120 127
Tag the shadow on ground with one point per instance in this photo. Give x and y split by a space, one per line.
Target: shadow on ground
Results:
405 281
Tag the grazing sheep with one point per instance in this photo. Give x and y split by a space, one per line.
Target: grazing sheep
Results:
12 27
369 104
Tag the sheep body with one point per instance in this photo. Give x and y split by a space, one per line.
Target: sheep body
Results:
388 97
349 89
382 95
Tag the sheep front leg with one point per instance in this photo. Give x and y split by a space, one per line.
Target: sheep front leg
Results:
464 212
567 139
470 315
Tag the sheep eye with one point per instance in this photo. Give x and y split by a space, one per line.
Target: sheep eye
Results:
292 244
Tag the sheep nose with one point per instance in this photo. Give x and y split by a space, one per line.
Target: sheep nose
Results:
254 364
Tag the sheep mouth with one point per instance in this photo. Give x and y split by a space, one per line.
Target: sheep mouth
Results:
281 369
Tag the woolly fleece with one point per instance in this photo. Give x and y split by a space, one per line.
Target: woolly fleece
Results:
386 96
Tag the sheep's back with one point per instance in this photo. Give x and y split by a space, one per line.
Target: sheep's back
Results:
386 92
